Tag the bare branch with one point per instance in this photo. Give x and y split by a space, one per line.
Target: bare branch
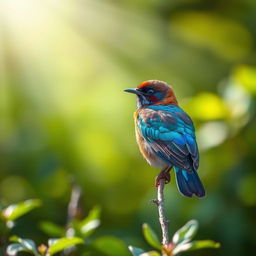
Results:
164 223
73 206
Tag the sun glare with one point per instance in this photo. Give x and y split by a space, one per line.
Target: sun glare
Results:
20 10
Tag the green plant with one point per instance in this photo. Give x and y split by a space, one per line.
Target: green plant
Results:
54 246
9 215
181 241
74 239
62 239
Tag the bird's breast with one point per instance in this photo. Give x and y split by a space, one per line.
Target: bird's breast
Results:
146 149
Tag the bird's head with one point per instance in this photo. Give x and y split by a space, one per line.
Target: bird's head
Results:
154 92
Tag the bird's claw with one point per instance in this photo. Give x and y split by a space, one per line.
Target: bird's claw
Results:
162 176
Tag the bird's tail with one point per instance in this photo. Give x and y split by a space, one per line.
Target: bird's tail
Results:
189 183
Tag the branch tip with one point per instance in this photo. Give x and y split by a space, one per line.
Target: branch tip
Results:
154 201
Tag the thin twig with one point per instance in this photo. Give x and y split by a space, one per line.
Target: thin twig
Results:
73 213
164 223
73 206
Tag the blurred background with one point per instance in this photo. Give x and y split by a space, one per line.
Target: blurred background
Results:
64 117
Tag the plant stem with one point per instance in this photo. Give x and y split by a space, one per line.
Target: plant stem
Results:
164 223
73 206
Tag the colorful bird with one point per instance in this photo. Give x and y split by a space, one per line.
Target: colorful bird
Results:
166 136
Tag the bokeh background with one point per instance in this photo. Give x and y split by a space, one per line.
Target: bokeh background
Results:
64 118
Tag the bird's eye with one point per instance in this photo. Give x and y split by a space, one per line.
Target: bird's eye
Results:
150 91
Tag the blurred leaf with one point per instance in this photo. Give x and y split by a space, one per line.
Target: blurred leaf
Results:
58 245
207 106
89 227
200 244
21 245
52 229
29 244
91 222
14 239
247 188
136 251
151 236
219 34
186 233
110 246
52 241
246 77
195 245
181 248
13 249
15 211
151 253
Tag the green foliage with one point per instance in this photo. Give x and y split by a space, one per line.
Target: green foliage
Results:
151 236
87 226
52 229
57 245
139 252
8 215
135 251
108 246
151 253
82 229
181 241
14 211
186 233
19 245
54 246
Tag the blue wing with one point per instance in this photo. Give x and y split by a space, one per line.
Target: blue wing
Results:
170 133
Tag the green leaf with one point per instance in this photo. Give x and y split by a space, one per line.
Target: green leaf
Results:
151 253
22 244
110 246
52 229
14 239
136 251
245 76
13 249
151 236
195 245
200 244
14 211
63 243
89 227
29 244
90 223
186 233
52 241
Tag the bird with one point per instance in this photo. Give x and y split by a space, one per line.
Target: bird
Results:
166 137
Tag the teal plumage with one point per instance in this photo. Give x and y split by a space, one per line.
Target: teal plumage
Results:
166 136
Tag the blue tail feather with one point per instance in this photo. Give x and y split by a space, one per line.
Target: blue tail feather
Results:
189 183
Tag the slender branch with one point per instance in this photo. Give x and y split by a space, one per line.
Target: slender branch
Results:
74 211
164 223
73 206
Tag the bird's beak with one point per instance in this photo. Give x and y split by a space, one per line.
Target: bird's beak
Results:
134 90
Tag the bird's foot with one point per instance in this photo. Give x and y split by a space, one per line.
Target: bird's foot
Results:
163 175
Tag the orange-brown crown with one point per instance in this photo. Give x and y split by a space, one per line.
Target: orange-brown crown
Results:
160 86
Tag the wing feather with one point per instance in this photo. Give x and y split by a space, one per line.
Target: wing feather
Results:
170 133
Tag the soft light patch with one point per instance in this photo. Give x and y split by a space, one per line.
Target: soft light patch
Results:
207 106
224 37
245 76
212 134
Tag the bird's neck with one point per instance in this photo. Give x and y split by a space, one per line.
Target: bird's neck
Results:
169 100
